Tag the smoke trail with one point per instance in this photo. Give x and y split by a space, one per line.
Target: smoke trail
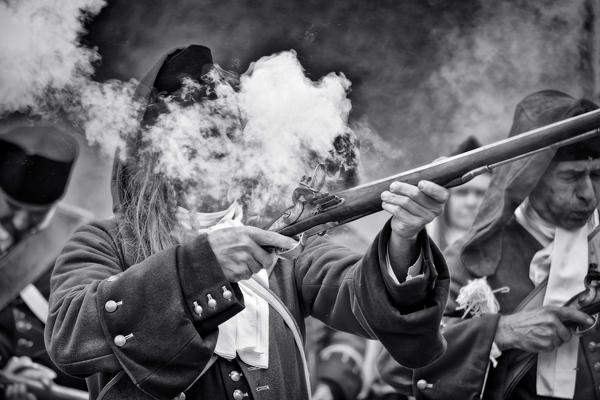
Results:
47 72
512 49
40 50
253 143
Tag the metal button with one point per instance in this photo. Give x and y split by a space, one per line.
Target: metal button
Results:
25 343
239 395
597 366
212 303
23 326
111 305
235 376
226 293
198 309
422 384
592 346
120 340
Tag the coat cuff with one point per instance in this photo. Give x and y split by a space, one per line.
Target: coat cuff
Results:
414 308
210 298
417 286
128 305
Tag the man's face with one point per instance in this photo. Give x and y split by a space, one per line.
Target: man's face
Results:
15 221
465 200
568 193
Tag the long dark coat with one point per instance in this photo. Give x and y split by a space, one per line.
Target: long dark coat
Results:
168 344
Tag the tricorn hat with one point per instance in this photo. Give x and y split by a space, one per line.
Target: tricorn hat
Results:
35 164
548 106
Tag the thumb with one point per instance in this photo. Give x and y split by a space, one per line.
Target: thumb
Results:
570 314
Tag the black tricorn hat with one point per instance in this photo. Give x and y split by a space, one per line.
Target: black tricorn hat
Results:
35 164
192 61
166 78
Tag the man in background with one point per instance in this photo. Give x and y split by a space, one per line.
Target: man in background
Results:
532 248
35 165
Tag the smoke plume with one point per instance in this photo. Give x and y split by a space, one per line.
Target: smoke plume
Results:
254 143
40 50
510 50
47 72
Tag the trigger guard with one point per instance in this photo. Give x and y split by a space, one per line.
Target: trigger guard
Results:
294 252
582 331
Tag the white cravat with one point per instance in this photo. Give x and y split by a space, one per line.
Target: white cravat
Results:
246 333
564 261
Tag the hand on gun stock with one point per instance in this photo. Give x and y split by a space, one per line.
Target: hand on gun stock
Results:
541 329
241 252
24 379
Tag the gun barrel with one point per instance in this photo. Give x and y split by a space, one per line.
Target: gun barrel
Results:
364 199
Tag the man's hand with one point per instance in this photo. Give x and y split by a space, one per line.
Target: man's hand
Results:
538 330
413 207
18 391
23 367
239 252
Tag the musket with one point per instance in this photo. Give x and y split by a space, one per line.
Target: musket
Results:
313 211
44 391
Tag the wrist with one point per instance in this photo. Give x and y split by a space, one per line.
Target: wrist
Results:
403 236
503 334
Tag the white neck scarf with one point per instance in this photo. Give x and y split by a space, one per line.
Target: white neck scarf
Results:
247 333
564 261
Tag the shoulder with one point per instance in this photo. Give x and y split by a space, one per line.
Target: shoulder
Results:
96 237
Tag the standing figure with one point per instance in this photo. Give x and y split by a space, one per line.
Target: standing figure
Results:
510 330
462 206
35 165
145 307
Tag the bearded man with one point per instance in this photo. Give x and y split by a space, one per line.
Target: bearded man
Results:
36 160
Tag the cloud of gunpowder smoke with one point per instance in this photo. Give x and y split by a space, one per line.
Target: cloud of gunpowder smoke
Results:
253 142
46 72
256 142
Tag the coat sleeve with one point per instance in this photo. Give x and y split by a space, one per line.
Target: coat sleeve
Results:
153 319
461 372
358 296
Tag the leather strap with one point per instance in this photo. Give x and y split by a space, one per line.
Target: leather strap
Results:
28 259
36 302
276 303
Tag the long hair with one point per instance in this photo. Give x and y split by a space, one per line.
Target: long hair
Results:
147 222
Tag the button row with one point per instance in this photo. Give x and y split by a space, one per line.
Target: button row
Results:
210 300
